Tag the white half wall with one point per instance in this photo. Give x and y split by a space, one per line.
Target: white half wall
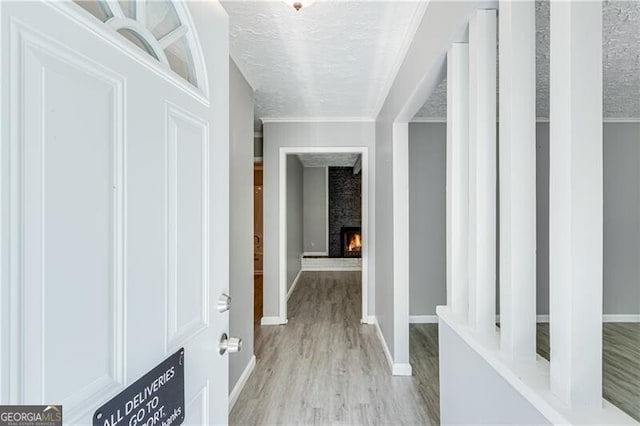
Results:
479 385
473 392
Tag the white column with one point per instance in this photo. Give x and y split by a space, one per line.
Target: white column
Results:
458 178
401 366
518 179
575 202
482 170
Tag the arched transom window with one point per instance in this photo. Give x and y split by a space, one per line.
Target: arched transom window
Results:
157 27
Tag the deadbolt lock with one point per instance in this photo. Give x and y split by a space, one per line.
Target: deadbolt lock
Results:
224 303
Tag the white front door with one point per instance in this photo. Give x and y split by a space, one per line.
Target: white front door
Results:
114 201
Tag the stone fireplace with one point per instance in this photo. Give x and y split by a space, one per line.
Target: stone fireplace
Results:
345 202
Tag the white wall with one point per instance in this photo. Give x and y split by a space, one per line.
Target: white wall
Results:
294 218
427 217
296 134
241 219
473 392
315 210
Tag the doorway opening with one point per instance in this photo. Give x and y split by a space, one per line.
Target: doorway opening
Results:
258 251
322 228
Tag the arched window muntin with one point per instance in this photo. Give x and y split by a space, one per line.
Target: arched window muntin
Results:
175 49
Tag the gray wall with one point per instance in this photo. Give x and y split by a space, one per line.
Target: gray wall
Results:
315 209
621 269
294 217
542 218
473 392
331 134
621 217
427 217
240 219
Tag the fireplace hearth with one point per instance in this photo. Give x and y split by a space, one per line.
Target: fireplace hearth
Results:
351 240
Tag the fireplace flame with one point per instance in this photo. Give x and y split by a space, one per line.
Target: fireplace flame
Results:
355 243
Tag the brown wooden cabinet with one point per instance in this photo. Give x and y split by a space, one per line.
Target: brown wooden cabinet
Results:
257 244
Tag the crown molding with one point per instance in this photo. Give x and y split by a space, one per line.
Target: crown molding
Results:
317 120
622 120
240 67
428 120
604 120
610 120
412 28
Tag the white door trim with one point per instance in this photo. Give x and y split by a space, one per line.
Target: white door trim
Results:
326 210
282 218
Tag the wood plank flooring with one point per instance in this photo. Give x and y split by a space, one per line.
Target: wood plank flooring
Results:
324 367
620 364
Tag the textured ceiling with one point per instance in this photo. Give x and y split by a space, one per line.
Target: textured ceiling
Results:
328 160
621 63
334 59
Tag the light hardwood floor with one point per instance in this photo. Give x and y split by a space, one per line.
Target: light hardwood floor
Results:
324 367
620 364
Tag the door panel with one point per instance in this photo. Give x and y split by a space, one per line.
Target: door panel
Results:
112 185
71 221
187 212
197 408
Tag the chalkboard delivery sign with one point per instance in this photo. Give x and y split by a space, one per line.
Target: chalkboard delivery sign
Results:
156 399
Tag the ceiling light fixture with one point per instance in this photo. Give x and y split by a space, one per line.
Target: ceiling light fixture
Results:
297 5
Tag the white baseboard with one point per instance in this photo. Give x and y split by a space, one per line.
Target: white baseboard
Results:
423 319
332 264
295 283
272 321
402 370
621 318
235 392
387 354
605 318
371 320
397 369
332 268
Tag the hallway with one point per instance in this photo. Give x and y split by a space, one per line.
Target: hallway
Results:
325 367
